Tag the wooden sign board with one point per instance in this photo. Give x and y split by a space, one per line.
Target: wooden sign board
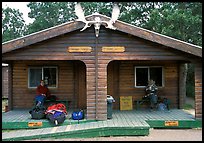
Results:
113 49
125 102
34 124
171 123
80 49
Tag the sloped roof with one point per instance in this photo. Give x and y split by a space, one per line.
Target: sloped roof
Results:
121 26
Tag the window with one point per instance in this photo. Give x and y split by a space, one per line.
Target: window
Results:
144 74
48 74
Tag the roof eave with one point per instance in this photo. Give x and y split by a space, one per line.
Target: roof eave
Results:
121 26
40 36
159 38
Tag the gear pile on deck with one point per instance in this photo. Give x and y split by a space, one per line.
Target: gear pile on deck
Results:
155 101
55 113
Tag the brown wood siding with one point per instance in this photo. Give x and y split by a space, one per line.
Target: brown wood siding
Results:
56 48
80 85
23 96
136 49
4 81
113 81
198 90
127 82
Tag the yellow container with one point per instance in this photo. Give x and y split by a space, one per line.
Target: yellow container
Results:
125 102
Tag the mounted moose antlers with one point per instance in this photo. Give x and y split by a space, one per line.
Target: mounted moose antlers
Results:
97 21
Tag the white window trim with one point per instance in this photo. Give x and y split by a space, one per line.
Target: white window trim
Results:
148 67
42 67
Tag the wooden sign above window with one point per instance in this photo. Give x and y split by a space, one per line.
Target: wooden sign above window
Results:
113 49
80 49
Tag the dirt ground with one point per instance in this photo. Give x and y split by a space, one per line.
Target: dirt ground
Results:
154 135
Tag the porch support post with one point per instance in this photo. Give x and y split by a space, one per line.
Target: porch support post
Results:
91 92
182 84
10 86
198 90
102 91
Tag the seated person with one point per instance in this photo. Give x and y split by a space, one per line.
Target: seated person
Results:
42 93
151 90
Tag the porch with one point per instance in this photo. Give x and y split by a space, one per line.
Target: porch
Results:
134 122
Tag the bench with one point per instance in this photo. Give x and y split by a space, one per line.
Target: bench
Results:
143 101
140 102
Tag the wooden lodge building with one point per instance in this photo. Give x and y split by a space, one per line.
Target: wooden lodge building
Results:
84 69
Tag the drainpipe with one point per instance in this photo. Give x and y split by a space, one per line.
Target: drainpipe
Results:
96 75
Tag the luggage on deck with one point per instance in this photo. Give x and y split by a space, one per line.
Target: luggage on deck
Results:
37 112
56 114
56 118
78 115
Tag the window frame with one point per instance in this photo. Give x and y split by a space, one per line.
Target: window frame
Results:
42 70
148 67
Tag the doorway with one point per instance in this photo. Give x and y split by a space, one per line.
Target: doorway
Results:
80 85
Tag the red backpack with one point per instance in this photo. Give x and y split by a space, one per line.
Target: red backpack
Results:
56 113
56 107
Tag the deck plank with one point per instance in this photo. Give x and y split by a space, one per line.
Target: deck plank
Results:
121 119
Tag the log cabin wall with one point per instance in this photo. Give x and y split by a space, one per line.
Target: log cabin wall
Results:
23 96
136 50
5 82
57 49
198 90
125 83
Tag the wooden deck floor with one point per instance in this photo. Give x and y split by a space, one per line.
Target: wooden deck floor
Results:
123 123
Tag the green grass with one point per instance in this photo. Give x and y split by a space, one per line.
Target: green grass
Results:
187 106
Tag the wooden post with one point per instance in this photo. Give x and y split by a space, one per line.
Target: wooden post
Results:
198 90
10 86
91 92
182 84
102 92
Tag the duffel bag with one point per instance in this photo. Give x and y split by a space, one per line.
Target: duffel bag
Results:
56 118
38 112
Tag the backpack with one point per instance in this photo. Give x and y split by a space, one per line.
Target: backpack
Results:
56 114
78 115
56 118
38 112
162 107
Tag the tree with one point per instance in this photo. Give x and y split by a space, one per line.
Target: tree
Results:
49 14
179 20
13 24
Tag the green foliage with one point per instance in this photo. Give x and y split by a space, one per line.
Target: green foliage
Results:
181 20
187 106
13 25
49 14
104 8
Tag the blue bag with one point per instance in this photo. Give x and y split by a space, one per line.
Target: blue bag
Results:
56 118
77 115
